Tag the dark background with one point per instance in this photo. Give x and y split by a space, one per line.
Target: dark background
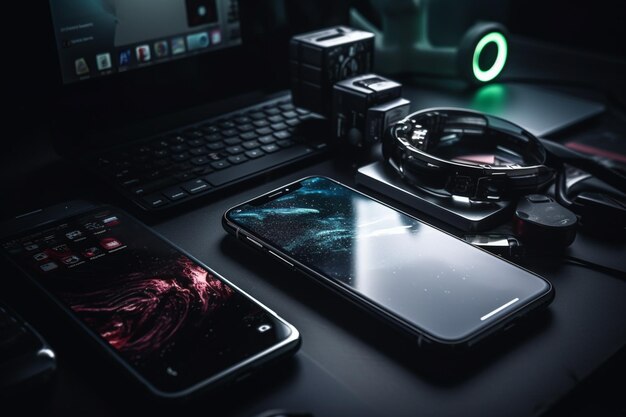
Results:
31 171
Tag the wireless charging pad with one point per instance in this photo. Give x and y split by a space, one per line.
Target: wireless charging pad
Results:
463 215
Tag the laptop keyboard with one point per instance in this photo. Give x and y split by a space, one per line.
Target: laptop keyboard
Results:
180 166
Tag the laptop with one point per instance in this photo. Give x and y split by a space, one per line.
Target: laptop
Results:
172 101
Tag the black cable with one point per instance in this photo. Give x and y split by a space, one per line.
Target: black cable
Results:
573 260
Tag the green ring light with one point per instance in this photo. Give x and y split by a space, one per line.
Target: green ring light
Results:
500 41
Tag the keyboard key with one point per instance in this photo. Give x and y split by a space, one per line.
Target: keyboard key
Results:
179 157
286 143
287 106
210 129
201 170
237 159
215 146
193 134
248 136
200 160
290 114
178 148
303 111
142 149
153 175
198 151
194 143
227 124
155 200
272 147
261 123
230 132
272 111
130 182
275 119
151 187
232 141
183 176
195 186
293 122
214 137
159 144
264 131
283 134
255 153
177 140
243 119
246 127
137 190
175 193
234 150
220 164
266 139
279 126
184 166
257 115
251 144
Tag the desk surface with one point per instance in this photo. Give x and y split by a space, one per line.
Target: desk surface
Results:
350 364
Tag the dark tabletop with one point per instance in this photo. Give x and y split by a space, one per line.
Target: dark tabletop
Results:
349 363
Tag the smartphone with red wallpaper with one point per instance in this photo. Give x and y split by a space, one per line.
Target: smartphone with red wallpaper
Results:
171 322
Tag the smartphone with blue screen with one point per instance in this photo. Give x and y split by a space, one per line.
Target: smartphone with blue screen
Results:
168 320
416 277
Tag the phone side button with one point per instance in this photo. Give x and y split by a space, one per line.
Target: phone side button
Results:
254 241
282 259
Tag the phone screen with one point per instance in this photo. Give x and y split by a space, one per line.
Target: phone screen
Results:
422 276
175 322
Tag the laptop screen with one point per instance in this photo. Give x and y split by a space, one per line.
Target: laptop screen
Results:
97 38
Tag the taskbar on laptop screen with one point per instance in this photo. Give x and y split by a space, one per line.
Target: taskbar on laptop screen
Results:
97 38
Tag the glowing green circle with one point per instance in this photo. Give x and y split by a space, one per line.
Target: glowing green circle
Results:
500 41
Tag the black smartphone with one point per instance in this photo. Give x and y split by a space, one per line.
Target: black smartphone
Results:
173 323
421 279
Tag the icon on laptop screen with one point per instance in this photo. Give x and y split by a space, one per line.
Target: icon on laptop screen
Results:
198 41
178 45
161 49
143 53
81 66
104 61
125 57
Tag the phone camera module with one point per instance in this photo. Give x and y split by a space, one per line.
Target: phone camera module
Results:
263 328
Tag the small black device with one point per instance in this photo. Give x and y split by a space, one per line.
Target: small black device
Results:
461 153
506 246
365 106
431 285
599 206
169 321
542 222
26 359
319 59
